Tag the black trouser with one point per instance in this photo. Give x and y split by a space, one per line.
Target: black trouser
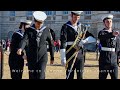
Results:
37 69
104 69
78 65
118 57
16 64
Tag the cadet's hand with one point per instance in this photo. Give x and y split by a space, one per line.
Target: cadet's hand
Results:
19 52
116 33
63 62
51 62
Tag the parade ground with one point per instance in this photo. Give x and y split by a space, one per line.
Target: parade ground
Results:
56 71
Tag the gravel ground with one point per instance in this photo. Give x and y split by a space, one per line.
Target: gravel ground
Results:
56 71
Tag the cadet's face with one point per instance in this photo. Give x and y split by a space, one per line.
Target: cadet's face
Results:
38 24
108 23
75 18
27 26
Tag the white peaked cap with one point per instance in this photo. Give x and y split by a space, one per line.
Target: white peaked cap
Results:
77 12
39 16
109 16
26 21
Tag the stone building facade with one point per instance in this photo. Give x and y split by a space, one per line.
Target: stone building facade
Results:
9 21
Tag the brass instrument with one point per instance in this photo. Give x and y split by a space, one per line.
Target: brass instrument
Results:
81 35
82 31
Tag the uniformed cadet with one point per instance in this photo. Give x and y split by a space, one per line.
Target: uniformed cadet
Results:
16 62
36 37
118 50
109 49
69 33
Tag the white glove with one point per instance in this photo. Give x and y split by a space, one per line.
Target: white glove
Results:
81 42
63 62
63 56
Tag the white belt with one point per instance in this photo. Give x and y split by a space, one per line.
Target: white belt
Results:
70 43
108 49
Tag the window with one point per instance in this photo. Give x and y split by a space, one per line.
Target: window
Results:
87 17
29 18
49 18
12 13
65 17
87 21
49 12
29 15
88 12
54 18
12 16
65 12
54 12
12 19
